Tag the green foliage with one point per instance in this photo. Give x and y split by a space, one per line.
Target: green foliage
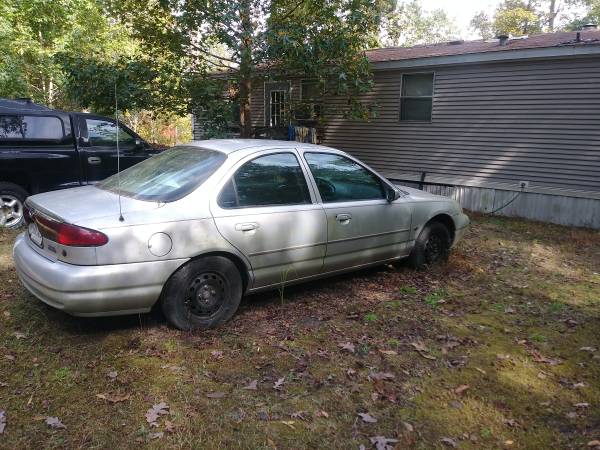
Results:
523 17
408 24
435 298
249 41
371 317
408 290
516 17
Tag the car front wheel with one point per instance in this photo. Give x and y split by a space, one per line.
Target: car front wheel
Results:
432 246
203 293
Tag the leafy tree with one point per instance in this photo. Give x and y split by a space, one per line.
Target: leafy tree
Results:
517 17
34 32
408 24
482 23
252 40
520 17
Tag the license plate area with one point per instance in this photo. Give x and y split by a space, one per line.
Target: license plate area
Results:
35 235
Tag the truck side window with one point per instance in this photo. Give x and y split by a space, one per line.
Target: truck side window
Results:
104 133
15 127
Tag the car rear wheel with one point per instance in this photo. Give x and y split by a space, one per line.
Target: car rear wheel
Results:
12 201
432 246
202 294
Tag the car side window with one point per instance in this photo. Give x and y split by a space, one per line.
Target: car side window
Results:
15 127
104 133
340 179
269 180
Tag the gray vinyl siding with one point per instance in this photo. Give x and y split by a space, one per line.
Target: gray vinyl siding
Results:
491 123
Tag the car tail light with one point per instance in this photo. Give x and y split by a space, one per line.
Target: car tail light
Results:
26 214
68 234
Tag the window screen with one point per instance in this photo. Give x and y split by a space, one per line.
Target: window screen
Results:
275 179
31 127
104 133
417 97
340 179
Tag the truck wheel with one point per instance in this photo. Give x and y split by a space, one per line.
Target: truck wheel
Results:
202 294
12 202
432 246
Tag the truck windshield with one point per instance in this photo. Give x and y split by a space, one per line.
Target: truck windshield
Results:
168 176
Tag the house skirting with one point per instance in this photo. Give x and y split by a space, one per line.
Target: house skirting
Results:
553 208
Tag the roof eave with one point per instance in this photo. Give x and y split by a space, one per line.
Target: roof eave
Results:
496 56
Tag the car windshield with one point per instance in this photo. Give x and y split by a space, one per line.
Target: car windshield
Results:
168 176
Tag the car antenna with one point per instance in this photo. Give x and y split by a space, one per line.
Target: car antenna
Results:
121 219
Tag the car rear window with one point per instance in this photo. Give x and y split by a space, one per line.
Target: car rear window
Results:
168 176
17 127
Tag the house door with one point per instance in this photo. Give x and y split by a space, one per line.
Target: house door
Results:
277 104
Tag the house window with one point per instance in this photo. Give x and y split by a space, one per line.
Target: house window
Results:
278 108
416 98
311 100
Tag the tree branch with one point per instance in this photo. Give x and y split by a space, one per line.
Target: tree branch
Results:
290 12
206 52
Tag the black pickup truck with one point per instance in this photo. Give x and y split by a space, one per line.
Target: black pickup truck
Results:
43 149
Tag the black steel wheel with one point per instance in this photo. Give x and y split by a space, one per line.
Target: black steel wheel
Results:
202 294
206 295
432 246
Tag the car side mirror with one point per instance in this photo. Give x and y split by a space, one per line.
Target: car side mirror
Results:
392 194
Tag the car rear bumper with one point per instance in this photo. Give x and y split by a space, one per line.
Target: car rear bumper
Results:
92 291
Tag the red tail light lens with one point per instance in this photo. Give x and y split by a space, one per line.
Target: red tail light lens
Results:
69 235
26 214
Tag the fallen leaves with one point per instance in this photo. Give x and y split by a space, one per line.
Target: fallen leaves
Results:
422 350
462 388
155 412
252 386
215 394
279 383
594 443
381 376
538 357
383 443
347 347
54 422
112 375
449 442
114 398
216 354
367 418
2 421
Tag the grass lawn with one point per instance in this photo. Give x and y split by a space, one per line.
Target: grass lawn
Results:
499 348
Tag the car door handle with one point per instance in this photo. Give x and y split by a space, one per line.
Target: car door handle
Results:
246 226
343 217
94 160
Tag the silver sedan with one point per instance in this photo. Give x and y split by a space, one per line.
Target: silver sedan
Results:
198 226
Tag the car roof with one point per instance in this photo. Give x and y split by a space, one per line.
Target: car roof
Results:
21 105
228 146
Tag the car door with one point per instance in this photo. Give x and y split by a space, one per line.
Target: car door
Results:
37 150
266 209
362 226
98 145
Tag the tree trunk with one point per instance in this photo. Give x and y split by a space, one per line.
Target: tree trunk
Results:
245 73
552 15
